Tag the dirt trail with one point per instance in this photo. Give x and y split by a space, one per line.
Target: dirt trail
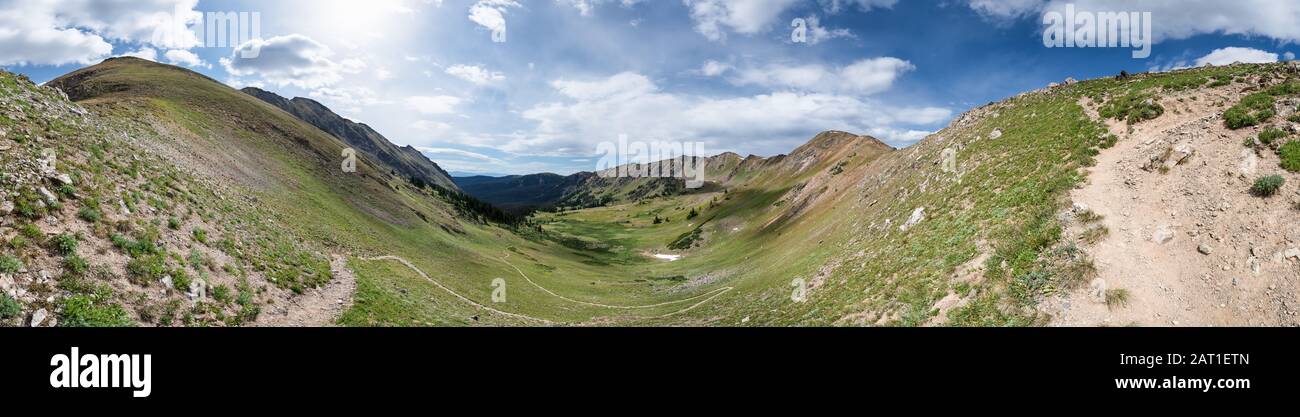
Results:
1245 279
319 307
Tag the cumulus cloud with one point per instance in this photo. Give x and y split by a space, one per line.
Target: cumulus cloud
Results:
714 68
867 76
714 17
490 14
294 60
58 32
183 57
475 74
1221 56
1006 9
818 33
1229 55
630 103
143 53
434 104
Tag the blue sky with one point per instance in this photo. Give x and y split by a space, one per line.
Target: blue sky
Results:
573 73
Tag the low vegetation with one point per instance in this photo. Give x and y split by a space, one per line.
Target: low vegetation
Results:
1267 186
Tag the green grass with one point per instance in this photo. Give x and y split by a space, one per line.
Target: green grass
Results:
1258 107
9 308
1270 134
88 311
1290 154
10 264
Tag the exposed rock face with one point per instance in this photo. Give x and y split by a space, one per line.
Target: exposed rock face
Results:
407 161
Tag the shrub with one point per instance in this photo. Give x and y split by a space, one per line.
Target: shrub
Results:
1271 134
173 223
90 215
1267 186
181 280
64 244
221 293
1116 298
9 307
147 268
1290 154
135 248
1294 118
32 232
10 264
76 265
200 235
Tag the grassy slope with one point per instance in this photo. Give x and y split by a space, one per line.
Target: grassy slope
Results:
778 220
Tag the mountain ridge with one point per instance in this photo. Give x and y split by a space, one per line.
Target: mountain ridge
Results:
406 160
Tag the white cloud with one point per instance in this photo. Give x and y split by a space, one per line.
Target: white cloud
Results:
144 53
457 153
818 33
490 14
1006 9
714 68
621 86
629 103
431 126
294 60
350 98
867 76
58 32
434 104
1289 56
475 74
383 74
183 57
1229 55
713 17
